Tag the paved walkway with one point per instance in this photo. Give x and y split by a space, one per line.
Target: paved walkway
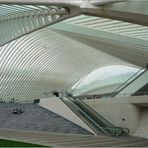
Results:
71 140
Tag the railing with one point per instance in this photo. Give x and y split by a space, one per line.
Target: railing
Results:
128 82
97 121
109 95
107 125
96 114
131 94
74 106
12 100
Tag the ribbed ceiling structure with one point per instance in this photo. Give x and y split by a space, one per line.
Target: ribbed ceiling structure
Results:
45 61
34 61
128 41
17 21
112 26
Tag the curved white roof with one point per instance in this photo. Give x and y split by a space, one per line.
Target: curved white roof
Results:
35 59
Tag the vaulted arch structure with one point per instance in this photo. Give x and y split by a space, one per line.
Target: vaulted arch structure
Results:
45 61
36 58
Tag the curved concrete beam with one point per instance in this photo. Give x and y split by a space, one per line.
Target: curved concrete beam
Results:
127 10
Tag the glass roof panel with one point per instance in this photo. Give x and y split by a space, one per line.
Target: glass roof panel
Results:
104 77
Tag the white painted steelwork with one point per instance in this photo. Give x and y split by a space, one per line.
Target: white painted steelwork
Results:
34 61
127 10
17 21
45 61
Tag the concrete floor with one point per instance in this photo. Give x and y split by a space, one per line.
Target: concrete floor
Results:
36 118
71 140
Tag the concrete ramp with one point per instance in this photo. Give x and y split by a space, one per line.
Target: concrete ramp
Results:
142 130
55 105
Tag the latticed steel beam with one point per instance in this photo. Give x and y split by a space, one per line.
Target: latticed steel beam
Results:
23 22
75 3
127 10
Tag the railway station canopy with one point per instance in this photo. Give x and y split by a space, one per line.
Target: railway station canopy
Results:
48 45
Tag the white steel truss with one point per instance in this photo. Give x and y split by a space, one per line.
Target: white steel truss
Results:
34 60
26 18
29 19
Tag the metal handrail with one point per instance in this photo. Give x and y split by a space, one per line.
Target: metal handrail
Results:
112 127
139 93
87 116
95 113
124 94
114 131
12 100
128 81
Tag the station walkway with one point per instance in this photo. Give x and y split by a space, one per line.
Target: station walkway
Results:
71 140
